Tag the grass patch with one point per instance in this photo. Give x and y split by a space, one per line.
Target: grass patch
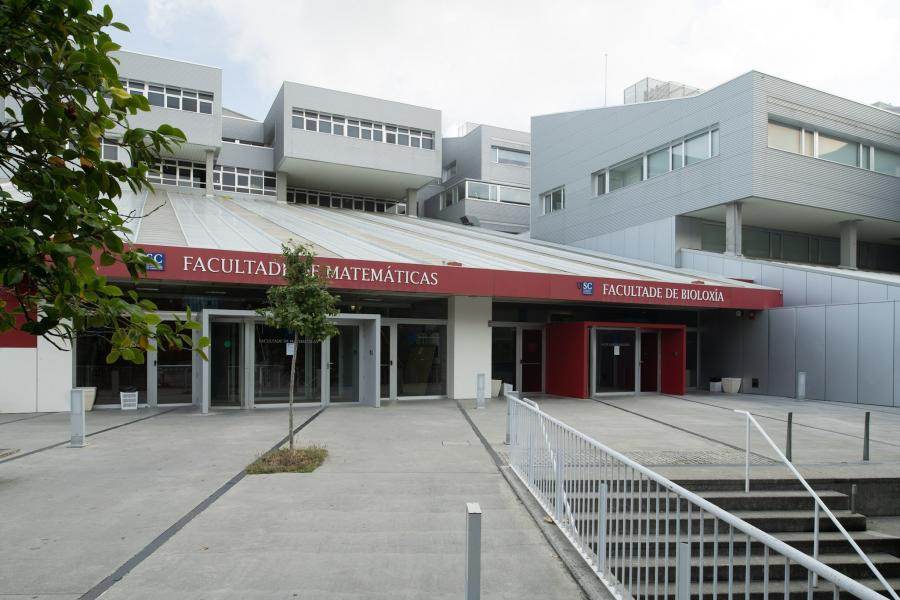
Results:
285 460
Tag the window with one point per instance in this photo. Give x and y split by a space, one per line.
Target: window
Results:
696 149
784 137
626 174
600 183
509 156
838 150
677 156
832 148
109 150
171 97
714 142
183 173
755 243
449 171
712 237
887 162
243 180
355 128
658 162
339 200
553 200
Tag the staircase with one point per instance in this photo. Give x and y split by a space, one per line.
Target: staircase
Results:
785 514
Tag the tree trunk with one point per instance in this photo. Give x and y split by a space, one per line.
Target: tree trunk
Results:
291 393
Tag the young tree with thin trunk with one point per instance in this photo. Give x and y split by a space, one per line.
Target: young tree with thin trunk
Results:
303 306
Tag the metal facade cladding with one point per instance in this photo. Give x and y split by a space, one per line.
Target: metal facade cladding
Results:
257 268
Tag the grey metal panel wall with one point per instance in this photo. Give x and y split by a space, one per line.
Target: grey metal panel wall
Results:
782 352
568 148
251 157
653 242
755 342
873 292
844 290
876 353
818 288
811 349
507 138
841 352
243 129
794 287
896 353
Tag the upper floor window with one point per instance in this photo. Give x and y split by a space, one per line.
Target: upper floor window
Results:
449 171
510 156
553 200
653 163
348 201
809 142
168 96
109 149
184 173
243 180
357 128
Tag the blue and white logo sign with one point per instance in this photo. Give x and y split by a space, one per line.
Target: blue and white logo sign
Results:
160 259
586 287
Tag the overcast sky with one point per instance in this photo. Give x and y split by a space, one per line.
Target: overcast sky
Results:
501 62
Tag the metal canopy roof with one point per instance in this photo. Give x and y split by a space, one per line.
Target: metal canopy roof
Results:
245 223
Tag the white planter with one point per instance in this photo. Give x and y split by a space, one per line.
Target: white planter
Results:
731 385
88 395
495 388
715 386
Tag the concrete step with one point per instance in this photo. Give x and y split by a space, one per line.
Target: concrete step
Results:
797 590
772 522
730 501
830 542
633 568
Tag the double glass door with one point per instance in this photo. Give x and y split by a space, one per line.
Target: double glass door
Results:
625 360
413 360
517 356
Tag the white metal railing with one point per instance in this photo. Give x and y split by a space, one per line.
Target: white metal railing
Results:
818 504
645 536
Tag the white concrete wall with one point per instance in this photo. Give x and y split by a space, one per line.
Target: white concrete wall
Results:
469 345
35 379
18 372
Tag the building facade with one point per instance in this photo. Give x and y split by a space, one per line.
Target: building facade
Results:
485 180
427 307
759 179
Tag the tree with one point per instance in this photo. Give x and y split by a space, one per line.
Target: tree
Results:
61 95
302 306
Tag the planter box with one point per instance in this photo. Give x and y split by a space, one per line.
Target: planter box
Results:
731 385
88 395
495 388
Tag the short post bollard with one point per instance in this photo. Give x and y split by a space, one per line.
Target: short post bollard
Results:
479 391
683 571
76 418
473 551
788 444
801 385
866 437
853 490
505 392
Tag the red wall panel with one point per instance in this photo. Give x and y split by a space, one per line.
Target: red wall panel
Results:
15 338
673 361
567 360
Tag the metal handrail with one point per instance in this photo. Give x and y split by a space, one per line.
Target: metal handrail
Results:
565 434
819 504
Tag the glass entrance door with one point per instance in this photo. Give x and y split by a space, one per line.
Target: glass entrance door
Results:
614 366
503 355
386 362
274 350
649 361
532 360
345 365
225 363
174 376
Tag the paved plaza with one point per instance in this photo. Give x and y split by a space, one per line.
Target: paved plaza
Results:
159 491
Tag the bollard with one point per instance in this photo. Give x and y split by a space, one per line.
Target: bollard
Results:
801 385
473 551
683 571
788 444
505 390
479 391
853 497
866 437
76 418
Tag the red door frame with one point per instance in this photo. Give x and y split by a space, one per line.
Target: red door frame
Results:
568 356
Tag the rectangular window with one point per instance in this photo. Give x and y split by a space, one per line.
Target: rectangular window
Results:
677 156
784 137
712 237
626 174
337 125
838 150
809 146
377 132
554 200
696 149
352 128
390 134
755 243
109 150
403 137
366 130
428 140
795 247
312 121
156 96
864 156
509 156
887 162
449 171
324 123
600 186
658 162
714 142
189 104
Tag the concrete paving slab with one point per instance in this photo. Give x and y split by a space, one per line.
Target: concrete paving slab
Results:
384 517
72 516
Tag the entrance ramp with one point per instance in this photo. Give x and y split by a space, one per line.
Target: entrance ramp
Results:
645 536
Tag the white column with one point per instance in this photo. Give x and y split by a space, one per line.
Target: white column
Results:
848 243
733 225
281 186
468 344
210 164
